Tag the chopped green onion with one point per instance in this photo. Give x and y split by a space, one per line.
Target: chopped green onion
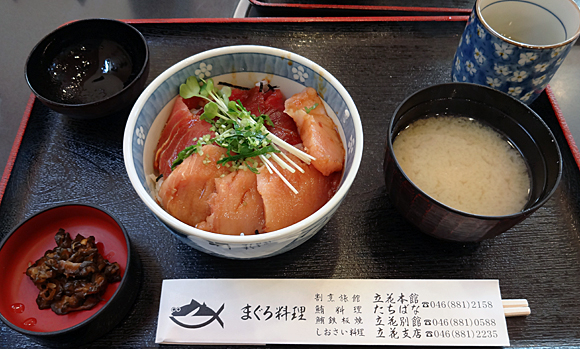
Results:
308 110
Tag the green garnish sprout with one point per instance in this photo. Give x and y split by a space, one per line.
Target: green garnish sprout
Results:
241 133
308 110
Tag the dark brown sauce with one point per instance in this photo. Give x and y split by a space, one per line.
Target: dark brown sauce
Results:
90 71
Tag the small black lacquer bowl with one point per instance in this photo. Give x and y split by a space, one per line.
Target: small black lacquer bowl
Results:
89 68
30 240
517 122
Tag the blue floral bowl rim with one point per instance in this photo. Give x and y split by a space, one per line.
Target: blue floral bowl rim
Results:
521 44
280 234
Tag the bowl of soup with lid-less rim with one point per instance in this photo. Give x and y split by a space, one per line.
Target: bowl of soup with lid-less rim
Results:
89 68
465 162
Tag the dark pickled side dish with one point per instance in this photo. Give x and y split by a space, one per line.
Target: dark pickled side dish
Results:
73 276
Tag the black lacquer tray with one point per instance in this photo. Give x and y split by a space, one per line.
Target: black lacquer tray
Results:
359 8
380 62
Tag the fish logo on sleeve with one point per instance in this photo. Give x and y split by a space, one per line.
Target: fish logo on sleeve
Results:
195 315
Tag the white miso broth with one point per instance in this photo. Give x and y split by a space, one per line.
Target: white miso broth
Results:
464 164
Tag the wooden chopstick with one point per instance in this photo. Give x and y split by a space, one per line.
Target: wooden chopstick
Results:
516 307
512 303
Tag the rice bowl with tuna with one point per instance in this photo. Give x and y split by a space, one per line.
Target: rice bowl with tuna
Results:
291 74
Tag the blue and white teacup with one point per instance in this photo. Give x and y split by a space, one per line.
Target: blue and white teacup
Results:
516 46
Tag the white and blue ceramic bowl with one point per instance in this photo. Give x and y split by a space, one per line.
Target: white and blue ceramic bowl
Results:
242 66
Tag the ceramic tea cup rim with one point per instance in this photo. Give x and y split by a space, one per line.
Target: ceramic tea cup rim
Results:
495 33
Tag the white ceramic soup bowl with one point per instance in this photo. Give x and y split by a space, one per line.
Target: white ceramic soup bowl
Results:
242 66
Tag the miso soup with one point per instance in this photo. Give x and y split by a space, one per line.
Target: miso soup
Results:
464 164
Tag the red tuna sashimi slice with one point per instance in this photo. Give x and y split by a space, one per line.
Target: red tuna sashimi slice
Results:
317 130
178 131
284 127
179 114
270 103
236 206
254 101
239 95
185 192
281 206
181 129
183 138
194 102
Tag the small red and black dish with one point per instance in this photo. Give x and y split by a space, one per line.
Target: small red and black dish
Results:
31 240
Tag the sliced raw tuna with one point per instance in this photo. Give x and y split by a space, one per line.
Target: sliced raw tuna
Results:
281 206
185 192
236 206
181 131
238 94
185 137
270 103
194 102
210 197
179 114
317 130
284 127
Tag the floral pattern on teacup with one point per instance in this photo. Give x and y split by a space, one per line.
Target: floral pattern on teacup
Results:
502 69
486 59
519 76
503 50
479 57
470 67
527 96
539 81
527 57
493 82
557 51
515 91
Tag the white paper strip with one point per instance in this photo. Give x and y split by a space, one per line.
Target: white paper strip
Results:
332 311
